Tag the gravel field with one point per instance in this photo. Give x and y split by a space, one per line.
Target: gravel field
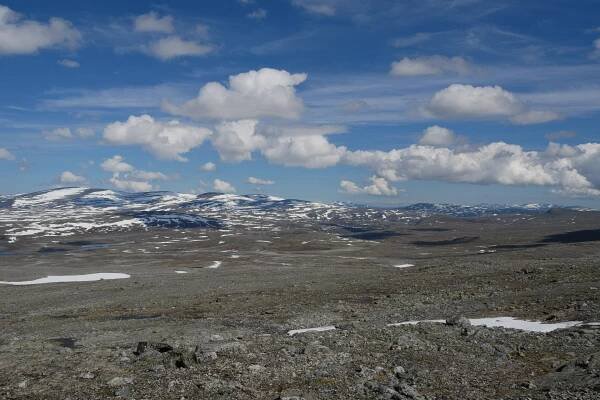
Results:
206 313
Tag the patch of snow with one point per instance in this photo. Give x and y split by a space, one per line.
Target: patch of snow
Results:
318 329
404 265
47 197
415 322
506 322
181 272
530 326
215 264
69 278
103 194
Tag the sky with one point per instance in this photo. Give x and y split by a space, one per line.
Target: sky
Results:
376 102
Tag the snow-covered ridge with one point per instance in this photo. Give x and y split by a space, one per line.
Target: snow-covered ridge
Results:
66 211
457 210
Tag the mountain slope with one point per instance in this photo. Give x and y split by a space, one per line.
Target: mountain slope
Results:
66 211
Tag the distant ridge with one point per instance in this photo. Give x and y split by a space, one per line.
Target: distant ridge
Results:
69 210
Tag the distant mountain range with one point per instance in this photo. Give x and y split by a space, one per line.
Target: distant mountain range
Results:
67 211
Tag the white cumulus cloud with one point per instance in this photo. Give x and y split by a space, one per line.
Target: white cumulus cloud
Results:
126 177
69 178
571 169
5 154
258 181
235 141
467 101
223 186
208 167
303 151
378 187
69 63
171 47
148 175
438 136
116 164
534 117
85 133
264 93
165 140
22 36
259 13
434 65
302 146
596 51
67 133
318 7
58 134
152 22
130 185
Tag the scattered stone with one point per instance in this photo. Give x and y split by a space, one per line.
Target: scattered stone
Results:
399 371
87 375
141 347
202 355
316 348
458 320
409 391
256 369
184 359
158 368
119 381
291 394
124 391
160 347
66 342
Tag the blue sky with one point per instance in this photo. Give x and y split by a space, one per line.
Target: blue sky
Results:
381 102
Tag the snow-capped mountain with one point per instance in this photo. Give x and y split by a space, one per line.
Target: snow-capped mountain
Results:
66 211
476 210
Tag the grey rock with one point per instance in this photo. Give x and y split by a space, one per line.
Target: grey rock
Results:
119 381
291 394
458 320
399 371
87 375
256 369
124 392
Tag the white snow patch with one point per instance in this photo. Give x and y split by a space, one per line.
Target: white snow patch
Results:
436 321
506 322
318 329
181 272
404 265
69 278
215 264
530 326
47 197
103 194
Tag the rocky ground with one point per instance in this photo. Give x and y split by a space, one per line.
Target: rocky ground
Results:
222 333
